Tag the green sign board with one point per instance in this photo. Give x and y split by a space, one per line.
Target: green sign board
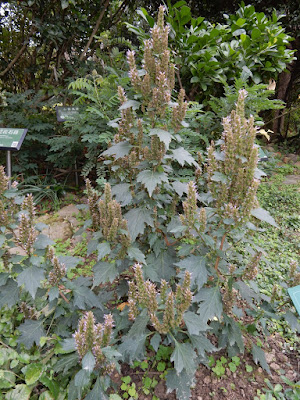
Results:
66 113
294 293
11 138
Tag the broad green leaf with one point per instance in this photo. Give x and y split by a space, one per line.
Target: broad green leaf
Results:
139 325
53 293
137 219
7 379
3 278
202 345
20 392
31 278
103 249
162 265
82 378
46 396
64 4
164 136
2 239
68 345
211 305
155 341
122 193
69 261
151 179
292 320
181 383
180 187
118 150
74 392
196 265
42 242
264 215
255 34
104 272
9 293
259 357
97 393
194 323
88 362
33 372
133 347
31 332
52 385
135 254
182 156
183 357
130 104
84 297
219 177
65 363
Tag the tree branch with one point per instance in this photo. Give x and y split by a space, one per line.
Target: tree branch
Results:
83 54
21 51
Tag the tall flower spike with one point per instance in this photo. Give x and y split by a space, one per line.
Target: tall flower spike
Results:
3 180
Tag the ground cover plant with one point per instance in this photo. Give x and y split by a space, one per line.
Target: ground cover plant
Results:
169 285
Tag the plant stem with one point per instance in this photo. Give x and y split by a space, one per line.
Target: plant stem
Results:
221 248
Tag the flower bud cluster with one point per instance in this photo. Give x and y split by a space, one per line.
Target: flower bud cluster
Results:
28 311
191 216
94 337
3 180
165 308
93 204
251 269
232 180
57 273
294 275
106 214
26 233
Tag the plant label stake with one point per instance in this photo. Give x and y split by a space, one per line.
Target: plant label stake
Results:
11 139
294 293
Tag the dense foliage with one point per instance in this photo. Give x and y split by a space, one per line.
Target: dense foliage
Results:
166 249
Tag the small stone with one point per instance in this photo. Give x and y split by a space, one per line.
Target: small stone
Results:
274 366
282 358
207 380
269 357
199 398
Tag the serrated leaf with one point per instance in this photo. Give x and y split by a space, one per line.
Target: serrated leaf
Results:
65 363
135 254
33 372
211 305
42 242
31 332
180 187
7 379
103 249
139 325
20 392
182 156
164 136
68 345
155 341
104 272
122 193
196 265
118 150
97 393
259 357
264 215
183 357
74 392
133 347
137 219
151 179
31 278
292 320
181 383
69 261
130 104
202 344
53 293
82 378
194 323
84 297
162 265
9 293
88 362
